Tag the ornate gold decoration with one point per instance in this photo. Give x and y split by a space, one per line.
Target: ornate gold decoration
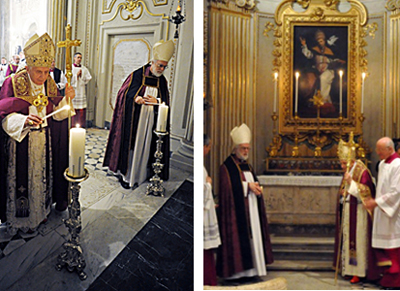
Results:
130 6
392 5
312 138
317 99
286 18
246 4
317 14
268 27
347 150
160 2
108 9
39 52
304 3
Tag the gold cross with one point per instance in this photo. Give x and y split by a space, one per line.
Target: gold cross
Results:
68 43
40 102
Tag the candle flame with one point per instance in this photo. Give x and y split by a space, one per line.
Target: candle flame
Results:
77 125
363 75
340 73
276 75
178 8
297 75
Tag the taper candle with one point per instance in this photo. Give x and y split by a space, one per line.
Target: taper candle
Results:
275 89
162 118
77 137
297 74
341 91
362 92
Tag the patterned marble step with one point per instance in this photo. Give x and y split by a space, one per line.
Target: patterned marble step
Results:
295 265
303 248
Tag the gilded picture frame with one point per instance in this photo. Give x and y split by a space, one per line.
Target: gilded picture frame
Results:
344 30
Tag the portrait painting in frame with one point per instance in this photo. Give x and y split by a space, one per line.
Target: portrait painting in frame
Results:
321 59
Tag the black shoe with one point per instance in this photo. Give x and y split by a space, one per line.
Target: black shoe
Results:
135 186
62 206
123 183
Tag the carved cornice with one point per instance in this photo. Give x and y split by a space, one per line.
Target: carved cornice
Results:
246 4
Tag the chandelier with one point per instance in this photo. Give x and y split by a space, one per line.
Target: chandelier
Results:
179 16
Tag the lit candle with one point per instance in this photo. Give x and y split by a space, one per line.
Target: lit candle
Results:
162 118
275 89
362 92
297 92
340 91
76 151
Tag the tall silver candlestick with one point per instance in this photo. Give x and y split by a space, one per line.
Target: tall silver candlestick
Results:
72 257
155 187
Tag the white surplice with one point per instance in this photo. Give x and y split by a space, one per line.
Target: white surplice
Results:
361 234
256 241
13 125
210 223
139 156
386 228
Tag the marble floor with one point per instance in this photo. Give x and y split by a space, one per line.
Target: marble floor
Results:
111 217
317 281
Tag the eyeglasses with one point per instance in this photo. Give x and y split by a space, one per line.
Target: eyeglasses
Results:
161 66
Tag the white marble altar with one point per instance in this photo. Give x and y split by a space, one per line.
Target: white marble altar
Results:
300 200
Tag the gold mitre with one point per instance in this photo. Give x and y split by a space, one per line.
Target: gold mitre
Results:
39 51
163 51
347 150
241 134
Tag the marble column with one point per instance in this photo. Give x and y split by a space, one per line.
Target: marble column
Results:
4 28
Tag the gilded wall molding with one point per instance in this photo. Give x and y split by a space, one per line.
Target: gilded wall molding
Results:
130 7
160 2
393 5
105 9
245 4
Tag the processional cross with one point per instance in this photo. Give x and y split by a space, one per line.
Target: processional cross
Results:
68 43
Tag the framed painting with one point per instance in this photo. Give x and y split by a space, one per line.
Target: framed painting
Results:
320 63
319 56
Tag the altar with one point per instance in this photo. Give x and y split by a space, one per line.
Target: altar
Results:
300 204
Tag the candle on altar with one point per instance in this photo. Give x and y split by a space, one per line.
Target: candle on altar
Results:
362 92
162 118
297 74
275 89
340 91
77 137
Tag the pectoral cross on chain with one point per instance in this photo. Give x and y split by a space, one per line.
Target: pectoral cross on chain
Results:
68 43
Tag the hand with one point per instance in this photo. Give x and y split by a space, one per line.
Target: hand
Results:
79 74
255 188
209 180
150 99
32 120
302 41
69 91
370 204
347 178
139 100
